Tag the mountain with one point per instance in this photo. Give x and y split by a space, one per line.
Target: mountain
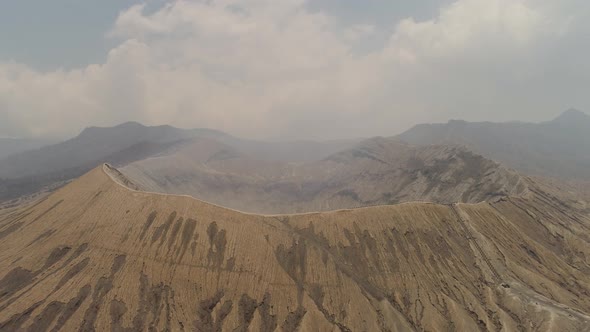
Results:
9 146
92 145
559 148
30 171
375 172
96 255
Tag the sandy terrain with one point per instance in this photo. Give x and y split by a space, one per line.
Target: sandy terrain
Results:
98 256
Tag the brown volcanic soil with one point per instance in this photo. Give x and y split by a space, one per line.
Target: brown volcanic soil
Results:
98 256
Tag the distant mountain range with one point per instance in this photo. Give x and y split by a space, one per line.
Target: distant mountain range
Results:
26 172
475 246
558 148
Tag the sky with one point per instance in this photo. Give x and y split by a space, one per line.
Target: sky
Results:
289 69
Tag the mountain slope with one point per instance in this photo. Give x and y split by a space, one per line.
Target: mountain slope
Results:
30 171
97 256
377 171
558 148
91 145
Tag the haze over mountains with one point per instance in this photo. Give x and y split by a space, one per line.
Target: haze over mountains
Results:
304 173
435 236
558 148
380 170
377 171
273 166
9 146
26 172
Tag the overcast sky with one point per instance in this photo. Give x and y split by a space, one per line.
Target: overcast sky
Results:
289 68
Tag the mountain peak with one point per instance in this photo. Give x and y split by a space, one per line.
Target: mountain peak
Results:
123 126
572 116
129 124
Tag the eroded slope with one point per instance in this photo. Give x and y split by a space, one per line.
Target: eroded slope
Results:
97 256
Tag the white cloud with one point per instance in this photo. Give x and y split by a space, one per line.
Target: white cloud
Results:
470 25
263 68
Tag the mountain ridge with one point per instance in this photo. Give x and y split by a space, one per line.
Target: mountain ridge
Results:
104 257
31 171
559 148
